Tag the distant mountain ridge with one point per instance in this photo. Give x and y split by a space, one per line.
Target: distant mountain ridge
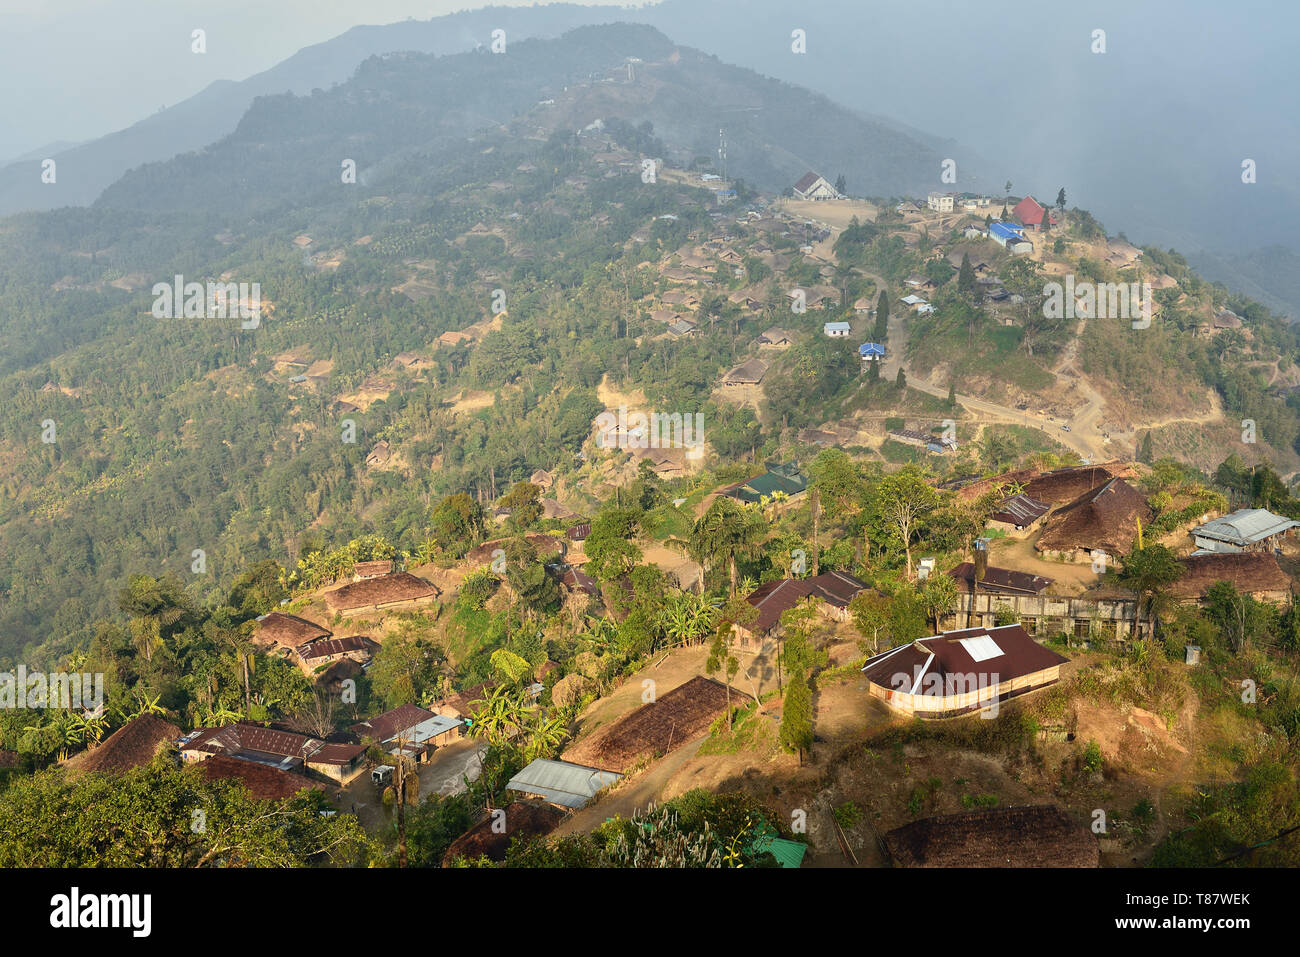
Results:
288 149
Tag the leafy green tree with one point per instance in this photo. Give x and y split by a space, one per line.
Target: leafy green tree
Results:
726 533
457 522
524 502
1150 571
796 714
966 275
939 596
903 500
721 660
145 818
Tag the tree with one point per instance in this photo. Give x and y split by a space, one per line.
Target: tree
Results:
1150 571
966 275
952 395
1238 617
938 595
881 331
903 499
145 818
1145 453
611 553
726 532
721 660
1060 199
841 186
501 715
1024 277
796 714
523 502
457 521
900 380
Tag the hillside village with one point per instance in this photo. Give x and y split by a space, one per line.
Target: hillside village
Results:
937 577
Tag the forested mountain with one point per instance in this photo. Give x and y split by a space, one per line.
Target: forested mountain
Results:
172 435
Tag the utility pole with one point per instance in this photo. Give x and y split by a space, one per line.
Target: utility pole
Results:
816 514
401 801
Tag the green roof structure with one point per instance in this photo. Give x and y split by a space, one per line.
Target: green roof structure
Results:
787 478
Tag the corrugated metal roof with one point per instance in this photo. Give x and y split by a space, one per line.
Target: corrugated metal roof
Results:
570 785
1245 526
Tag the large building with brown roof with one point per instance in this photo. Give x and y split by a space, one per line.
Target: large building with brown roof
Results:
1065 485
277 749
1257 574
262 781
1039 835
130 746
287 631
832 591
397 590
1104 519
959 672
409 728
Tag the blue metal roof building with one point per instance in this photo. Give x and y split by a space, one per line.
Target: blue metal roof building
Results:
871 350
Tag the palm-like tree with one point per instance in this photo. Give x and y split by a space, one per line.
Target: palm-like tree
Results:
501 715
726 532
545 736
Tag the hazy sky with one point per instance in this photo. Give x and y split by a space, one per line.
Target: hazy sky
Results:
77 69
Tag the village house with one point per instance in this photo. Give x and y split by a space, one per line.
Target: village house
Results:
787 478
832 591
130 746
527 819
287 631
545 545
380 454
463 704
812 186
1103 520
1010 237
372 569
1065 485
317 655
263 782
775 338
939 445
561 782
960 672
1030 213
411 731
1245 530
1018 515
1254 573
387 592
747 373
836 330
278 749
940 202
871 352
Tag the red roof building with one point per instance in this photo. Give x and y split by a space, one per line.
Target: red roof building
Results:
1030 213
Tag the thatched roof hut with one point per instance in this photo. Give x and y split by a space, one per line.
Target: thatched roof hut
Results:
288 631
1068 484
1104 518
1252 573
523 819
130 746
263 781
670 721
1039 835
398 588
